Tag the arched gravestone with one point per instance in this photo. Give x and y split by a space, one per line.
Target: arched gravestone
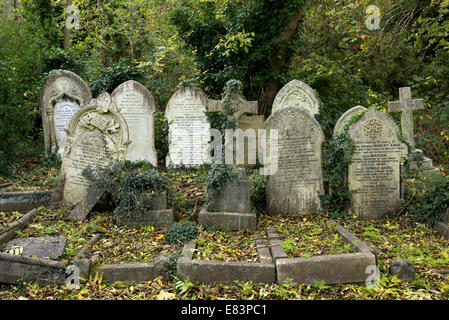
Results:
374 174
136 104
295 186
299 94
189 128
97 135
62 96
340 125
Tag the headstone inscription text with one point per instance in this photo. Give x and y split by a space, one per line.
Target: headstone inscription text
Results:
136 104
374 174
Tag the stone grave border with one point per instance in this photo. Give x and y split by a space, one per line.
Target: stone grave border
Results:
24 200
274 266
14 268
332 269
227 272
10 231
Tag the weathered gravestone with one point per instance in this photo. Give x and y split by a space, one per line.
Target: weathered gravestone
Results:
136 104
230 207
342 121
406 106
295 187
297 93
97 135
62 96
245 114
189 128
374 173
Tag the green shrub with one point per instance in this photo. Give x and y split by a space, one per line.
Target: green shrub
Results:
134 183
182 232
427 198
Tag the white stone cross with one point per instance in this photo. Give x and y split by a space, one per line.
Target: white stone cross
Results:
406 106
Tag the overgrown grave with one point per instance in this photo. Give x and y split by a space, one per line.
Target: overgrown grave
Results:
228 199
312 248
397 241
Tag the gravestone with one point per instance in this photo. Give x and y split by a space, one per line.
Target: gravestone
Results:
299 94
97 135
295 186
41 247
374 174
189 128
230 208
136 104
406 106
340 125
62 96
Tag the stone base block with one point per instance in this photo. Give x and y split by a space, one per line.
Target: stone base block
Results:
222 271
160 218
139 272
15 269
332 269
231 220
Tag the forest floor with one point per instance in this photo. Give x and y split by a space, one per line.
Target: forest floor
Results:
301 236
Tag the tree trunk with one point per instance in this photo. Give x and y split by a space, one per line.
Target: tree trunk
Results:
68 3
279 59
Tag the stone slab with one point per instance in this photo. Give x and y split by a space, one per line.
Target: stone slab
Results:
23 200
221 271
332 269
162 218
234 221
41 247
15 269
139 272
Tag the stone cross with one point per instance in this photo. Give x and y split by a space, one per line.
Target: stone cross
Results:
240 106
406 106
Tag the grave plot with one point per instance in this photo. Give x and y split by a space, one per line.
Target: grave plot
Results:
123 245
50 223
404 239
226 246
33 188
317 252
307 236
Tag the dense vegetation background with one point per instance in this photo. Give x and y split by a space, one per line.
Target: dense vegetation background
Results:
263 43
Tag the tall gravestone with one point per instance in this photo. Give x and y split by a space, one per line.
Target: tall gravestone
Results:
136 104
189 128
295 186
299 94
97 135
374 174
62 96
